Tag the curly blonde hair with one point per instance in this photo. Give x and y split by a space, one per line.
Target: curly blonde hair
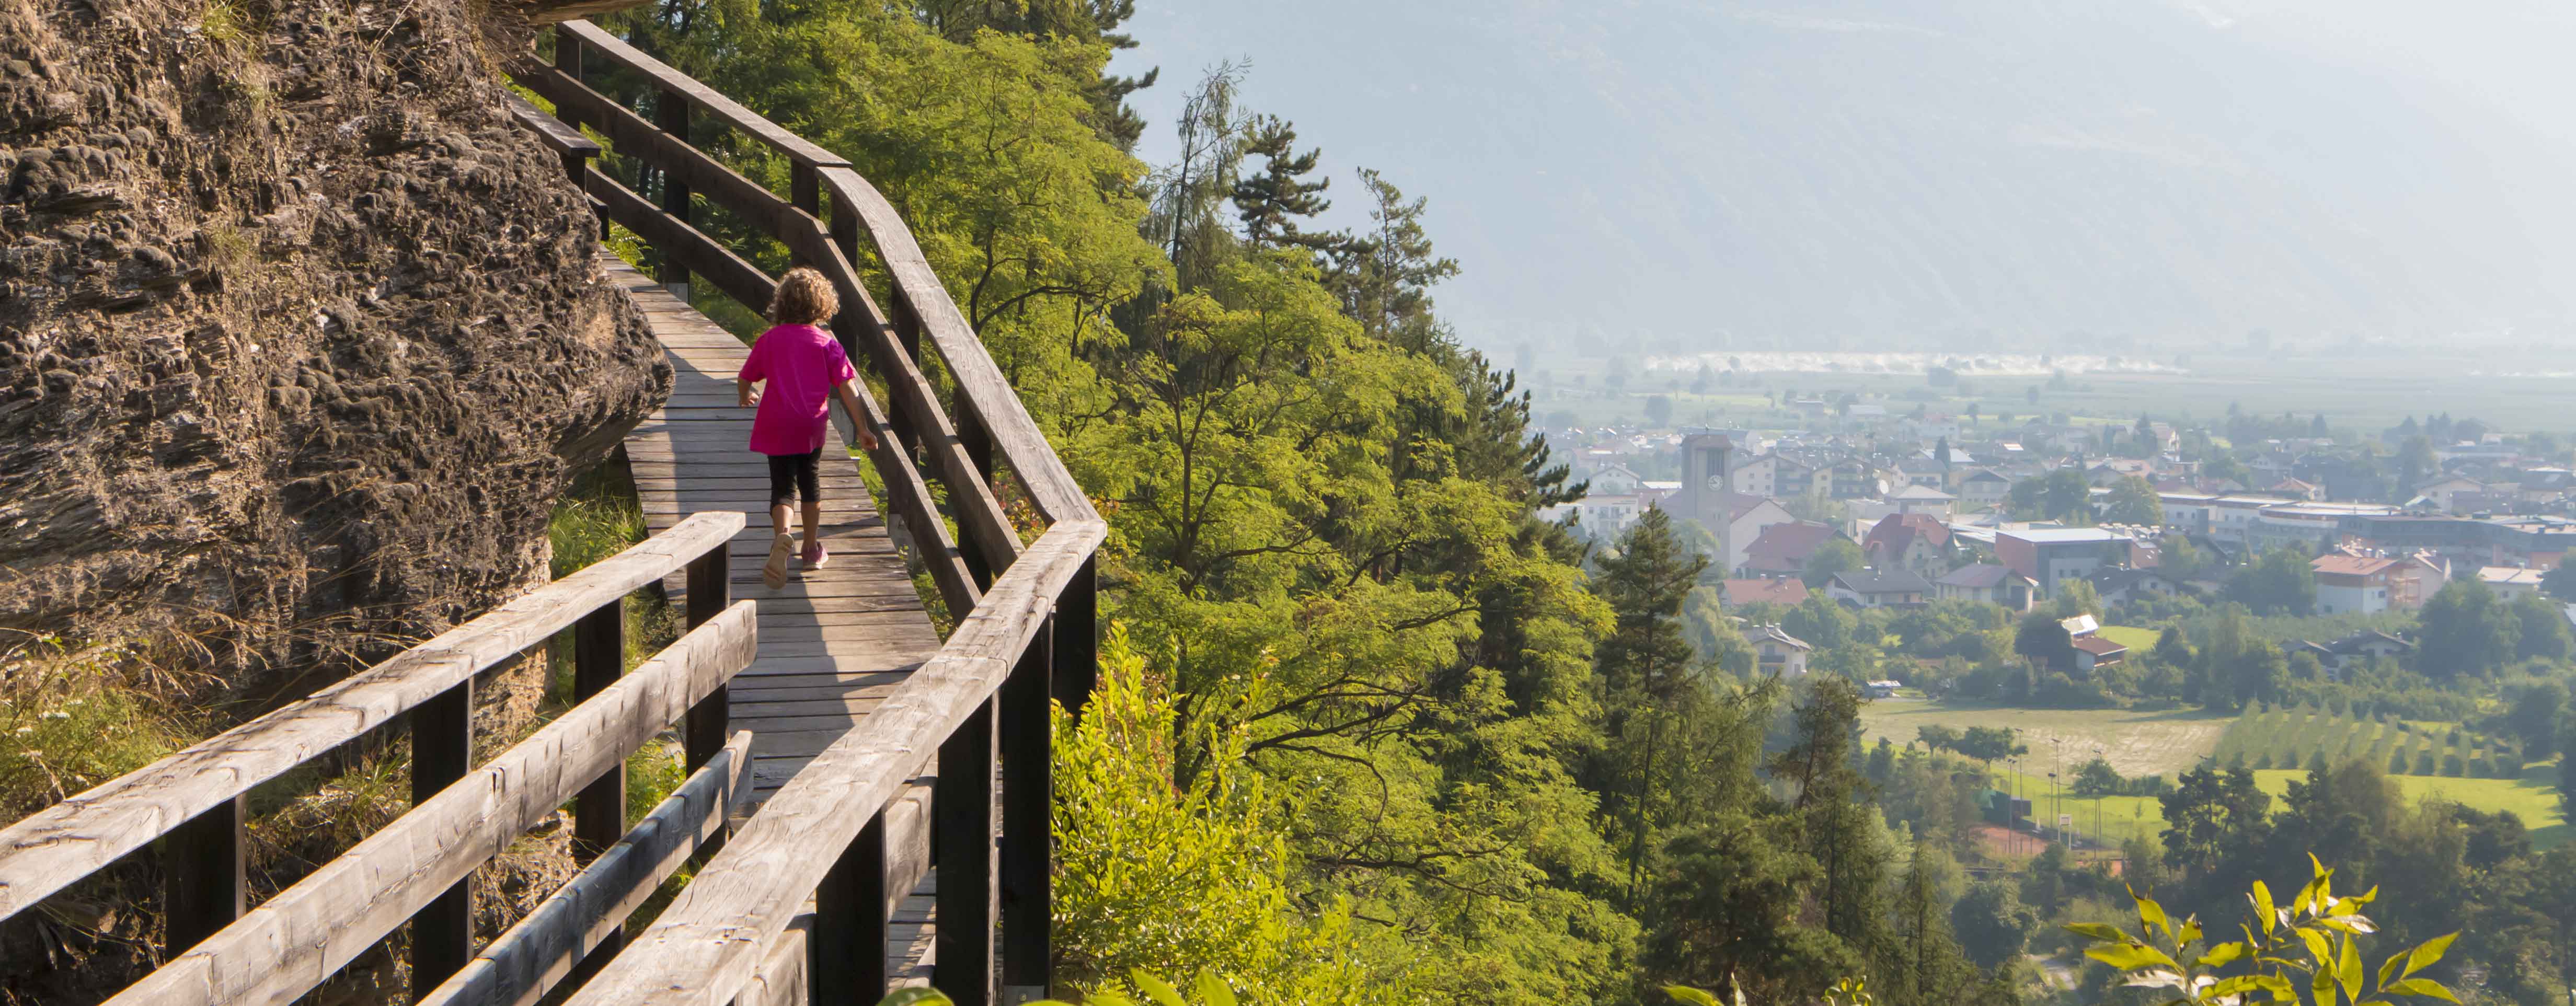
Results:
804 297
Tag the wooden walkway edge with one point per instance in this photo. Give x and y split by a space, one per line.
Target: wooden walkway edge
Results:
833 641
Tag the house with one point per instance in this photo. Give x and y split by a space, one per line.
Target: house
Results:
2353 650
1747 517
1919 542
2094 651
1892 589
2054 555
1884 688
1922 499
1615 480
1777 652
2353 584
1853 479
1773 475
2445 493
1782 549
1607 514
1989 583
1785 591
1982 487
2128 586
2509 582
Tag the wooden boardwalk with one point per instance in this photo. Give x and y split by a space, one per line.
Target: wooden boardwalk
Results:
833 641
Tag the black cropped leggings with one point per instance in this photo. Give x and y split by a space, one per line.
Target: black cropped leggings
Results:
795 476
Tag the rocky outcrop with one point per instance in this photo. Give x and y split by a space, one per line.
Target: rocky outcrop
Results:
299 338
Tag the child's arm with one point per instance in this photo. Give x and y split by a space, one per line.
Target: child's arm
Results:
743 393
848 393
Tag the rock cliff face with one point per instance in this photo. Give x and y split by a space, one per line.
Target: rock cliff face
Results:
300 337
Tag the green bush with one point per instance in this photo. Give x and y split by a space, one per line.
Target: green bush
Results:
1151 875
72 719
2308 951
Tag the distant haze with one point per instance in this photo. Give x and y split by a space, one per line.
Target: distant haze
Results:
1957 175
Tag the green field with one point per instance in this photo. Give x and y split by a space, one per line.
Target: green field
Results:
2136 742
2136 639
2533 797
2295 737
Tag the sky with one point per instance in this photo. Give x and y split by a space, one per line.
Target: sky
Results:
1948 174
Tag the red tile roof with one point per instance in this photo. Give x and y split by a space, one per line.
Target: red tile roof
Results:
2098 646
1785 547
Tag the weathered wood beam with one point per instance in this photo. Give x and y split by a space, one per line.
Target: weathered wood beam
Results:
531 958
59 845
309 931
705 947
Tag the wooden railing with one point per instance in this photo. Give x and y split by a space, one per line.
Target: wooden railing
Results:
1025 611
414 870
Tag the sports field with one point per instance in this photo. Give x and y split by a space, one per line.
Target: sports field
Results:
2136 742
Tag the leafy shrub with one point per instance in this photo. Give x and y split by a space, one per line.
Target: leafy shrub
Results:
1150 874
2310 945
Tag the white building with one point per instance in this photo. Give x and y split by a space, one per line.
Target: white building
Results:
1777 652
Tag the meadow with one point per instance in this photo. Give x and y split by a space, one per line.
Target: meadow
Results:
2277 744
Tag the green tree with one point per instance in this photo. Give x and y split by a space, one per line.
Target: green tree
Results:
2560 581
1836 555
2543 629
1649 676
2097 778
2281 582
1993 924
1271 202
2466 631
2133 501
2042 640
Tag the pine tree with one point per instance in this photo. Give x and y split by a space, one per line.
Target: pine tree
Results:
1270 202
1646 673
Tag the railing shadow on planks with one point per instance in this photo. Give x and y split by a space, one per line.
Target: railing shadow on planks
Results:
1026 631
415 869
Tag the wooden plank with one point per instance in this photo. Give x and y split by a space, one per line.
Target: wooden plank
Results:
521 964
306 933
603 46
703 948
442 749
552 132
63 843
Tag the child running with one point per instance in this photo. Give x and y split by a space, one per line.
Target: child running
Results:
804 370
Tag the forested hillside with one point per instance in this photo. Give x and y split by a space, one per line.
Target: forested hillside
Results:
1381 732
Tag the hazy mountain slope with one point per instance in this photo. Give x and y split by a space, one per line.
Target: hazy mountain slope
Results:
1976 169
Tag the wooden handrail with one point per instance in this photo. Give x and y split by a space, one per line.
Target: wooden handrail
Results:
523 963
298 939
61 844
702 97
704 947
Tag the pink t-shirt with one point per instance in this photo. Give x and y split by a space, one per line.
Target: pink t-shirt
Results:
802 364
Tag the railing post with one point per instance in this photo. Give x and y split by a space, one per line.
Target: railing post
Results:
704 730
848 944
204 880
1028 847
671 114
978 443
599 813
442 749
961 806
805 190
1077 641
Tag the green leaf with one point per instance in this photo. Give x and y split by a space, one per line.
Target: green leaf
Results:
1213 990
2100 932
2151 917
2320 947
2388 970
1156 989
2281 989
2158 978
2131 956
2262 899
1695 997
2348 969
916 997
2422 987
2222 955
2427 952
